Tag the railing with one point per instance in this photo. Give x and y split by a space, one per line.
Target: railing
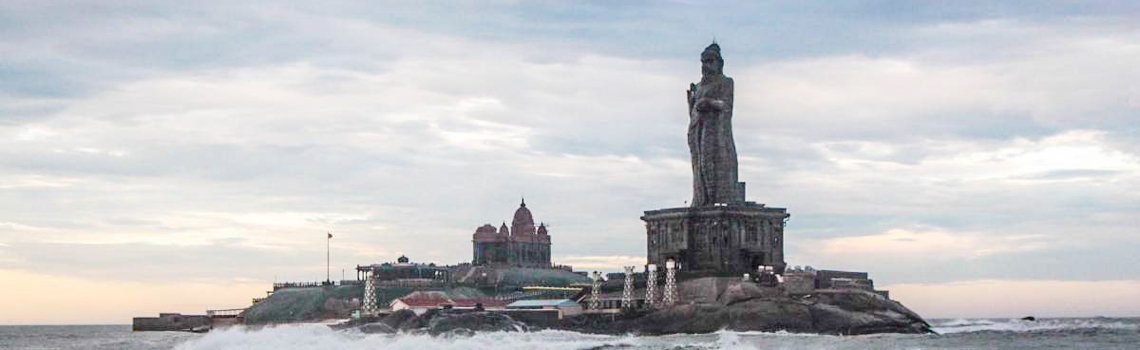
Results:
510 297
281 285
413 283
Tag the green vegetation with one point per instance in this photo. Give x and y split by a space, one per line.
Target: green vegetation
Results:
518 276
316 303
304 304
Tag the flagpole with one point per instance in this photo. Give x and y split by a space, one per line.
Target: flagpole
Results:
328 257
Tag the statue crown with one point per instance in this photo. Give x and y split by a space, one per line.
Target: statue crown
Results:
712 52
714 48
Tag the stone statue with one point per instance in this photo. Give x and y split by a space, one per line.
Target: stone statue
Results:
711 146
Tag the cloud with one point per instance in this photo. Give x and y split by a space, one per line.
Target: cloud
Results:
603 263
1071 175
34 181
118 301
934 244
1019 298
974 142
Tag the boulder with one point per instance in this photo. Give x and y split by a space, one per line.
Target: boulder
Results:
749 315
747 307
770 316
703 290
417 322
398 318
377 328
862 312
861 300
742 291
687 318
474 321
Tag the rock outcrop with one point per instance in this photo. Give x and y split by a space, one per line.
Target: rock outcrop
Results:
473 321
714 304
848 312
437 322
746 307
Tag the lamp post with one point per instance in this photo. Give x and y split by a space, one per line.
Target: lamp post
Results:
328 259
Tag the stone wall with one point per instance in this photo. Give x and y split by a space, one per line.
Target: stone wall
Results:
170 322
491 253
717 240
545 316
823 277
704 290
799 283
530 254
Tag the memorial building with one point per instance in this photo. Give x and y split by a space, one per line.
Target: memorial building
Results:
521 245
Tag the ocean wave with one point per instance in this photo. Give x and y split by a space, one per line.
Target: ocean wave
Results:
315 336
311 336
769 334
1017 325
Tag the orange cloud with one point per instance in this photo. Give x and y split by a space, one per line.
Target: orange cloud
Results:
1018 298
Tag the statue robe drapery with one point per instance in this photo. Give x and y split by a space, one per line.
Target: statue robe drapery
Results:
711 146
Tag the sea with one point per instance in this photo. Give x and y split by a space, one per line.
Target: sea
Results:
1060 333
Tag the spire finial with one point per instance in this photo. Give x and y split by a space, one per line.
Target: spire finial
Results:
523 204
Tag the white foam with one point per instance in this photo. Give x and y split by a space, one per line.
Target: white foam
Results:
315 336
773 334
729 340
287 337
1016 325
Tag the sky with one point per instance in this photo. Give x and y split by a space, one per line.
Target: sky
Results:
979 158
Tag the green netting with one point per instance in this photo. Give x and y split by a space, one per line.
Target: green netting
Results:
518 276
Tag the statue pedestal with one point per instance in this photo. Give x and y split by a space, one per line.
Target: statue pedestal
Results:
717 240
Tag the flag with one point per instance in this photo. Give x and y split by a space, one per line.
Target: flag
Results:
330 235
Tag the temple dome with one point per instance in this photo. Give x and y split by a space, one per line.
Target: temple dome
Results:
486 233
485 229
523 220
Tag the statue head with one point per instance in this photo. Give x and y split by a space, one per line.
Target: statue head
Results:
711 61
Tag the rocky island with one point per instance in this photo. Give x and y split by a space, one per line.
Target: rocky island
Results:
722 259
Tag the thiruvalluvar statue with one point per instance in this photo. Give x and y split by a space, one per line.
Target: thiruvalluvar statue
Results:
710 134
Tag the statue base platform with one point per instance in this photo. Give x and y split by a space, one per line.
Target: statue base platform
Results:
717 240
